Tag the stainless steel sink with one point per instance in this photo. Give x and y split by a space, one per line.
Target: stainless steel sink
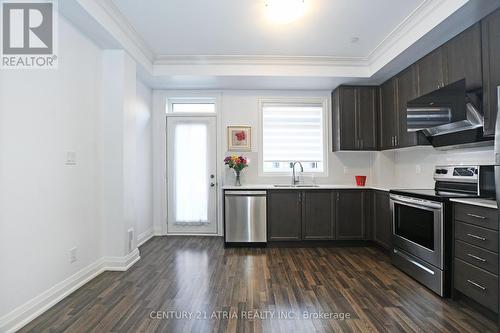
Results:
294 186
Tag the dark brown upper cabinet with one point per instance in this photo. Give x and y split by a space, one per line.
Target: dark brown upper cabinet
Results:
388 128
431 72
354 118
490 28
463 58
406 91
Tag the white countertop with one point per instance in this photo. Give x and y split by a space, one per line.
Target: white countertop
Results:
477 202
318 187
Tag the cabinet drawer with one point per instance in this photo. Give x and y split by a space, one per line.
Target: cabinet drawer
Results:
484 238
477 256
477 284
481 216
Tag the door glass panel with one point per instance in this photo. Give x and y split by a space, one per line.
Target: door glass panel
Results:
416 225
191 174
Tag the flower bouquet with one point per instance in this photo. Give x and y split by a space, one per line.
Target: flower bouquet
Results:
237 163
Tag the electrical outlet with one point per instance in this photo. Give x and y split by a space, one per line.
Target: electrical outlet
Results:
73 255
418 169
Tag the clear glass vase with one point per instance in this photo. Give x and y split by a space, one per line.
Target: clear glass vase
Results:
237 181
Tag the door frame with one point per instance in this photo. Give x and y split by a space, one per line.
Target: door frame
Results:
160 172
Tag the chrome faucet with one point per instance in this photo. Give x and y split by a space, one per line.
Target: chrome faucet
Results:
295 179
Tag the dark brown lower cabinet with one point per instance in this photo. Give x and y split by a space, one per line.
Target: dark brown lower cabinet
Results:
294 215
382 220
284 215
318 219
350 215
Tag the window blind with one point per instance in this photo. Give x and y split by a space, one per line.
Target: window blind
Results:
292 132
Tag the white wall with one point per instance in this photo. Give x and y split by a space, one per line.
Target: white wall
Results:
118 152
144 167
46 207
242 108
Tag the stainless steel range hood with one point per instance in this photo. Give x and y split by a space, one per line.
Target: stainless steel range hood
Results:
448 117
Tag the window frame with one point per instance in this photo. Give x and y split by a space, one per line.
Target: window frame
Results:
299 101
190 100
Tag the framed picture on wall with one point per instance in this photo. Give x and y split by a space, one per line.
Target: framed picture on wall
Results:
239 138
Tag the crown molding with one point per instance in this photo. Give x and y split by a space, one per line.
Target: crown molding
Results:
259 60
260 65
419 22
113 21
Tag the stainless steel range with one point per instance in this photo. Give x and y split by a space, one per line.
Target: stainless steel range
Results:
422 223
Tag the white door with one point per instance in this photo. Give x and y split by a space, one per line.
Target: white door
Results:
191 170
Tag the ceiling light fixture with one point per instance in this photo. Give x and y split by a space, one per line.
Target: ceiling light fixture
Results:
285 11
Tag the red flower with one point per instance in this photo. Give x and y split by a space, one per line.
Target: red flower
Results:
240 136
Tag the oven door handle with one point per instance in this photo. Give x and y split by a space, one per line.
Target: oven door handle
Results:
429 207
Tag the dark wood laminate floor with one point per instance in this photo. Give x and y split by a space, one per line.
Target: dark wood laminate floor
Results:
197 275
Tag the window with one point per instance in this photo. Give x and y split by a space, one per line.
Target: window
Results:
293 132
191 105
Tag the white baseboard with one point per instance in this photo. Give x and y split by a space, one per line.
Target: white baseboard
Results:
145 236
121 263
25 313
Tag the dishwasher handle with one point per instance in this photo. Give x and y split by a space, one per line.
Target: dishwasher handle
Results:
245 193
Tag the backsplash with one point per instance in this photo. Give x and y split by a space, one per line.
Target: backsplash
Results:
414 167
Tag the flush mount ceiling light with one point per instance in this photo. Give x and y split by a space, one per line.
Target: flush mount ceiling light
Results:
285 11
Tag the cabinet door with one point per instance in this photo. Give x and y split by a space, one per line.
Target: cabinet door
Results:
463 58
388 117
407 90
318 220
490 27
284 215
382 233
347 118
350 213
431 72
366 121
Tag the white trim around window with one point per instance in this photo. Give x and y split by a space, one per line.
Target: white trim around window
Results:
298 101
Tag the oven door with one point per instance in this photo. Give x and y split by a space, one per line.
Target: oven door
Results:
417 228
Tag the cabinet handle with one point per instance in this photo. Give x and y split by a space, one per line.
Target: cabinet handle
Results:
476 237
477 216
476 285
476 257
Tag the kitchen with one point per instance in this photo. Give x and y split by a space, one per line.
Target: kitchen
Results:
321 166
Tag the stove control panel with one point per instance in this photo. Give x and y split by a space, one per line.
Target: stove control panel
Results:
456 173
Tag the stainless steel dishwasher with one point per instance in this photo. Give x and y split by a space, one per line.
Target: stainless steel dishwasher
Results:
245 217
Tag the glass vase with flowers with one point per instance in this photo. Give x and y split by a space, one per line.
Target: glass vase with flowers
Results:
237 163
